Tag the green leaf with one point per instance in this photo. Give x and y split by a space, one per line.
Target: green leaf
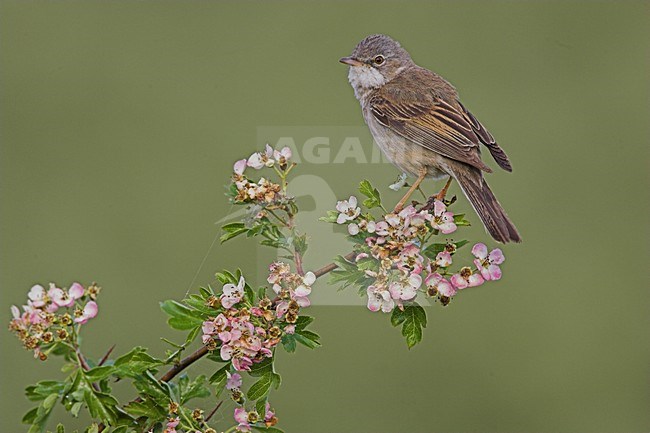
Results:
397 317
101 406
194 389
135 362
219 379
60 428
38 417
373 200
99 373
303 322
331 217
260 406
260 388
460 220
43 389
146 408
307 338
181 317
413 319
289 343
348 274
232 230
261 368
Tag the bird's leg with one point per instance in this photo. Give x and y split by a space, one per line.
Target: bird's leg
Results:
443 192
422 173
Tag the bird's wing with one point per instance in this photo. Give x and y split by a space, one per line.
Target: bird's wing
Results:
438 127
486 138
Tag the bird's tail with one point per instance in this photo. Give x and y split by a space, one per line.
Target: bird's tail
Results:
486 205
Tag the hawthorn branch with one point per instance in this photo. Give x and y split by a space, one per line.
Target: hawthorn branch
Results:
203 350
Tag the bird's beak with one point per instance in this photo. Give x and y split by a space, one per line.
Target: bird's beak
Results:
350 61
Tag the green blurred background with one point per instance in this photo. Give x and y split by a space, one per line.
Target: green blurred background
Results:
120 122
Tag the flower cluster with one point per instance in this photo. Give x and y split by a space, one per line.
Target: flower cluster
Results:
263 193
50 315
392 251
245 418
292 290
246 333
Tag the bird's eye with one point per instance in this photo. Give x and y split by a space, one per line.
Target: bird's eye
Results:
379 60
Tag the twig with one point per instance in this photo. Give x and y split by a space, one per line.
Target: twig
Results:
207 418
329 268
105 357
184 363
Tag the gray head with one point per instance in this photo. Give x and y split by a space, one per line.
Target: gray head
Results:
375 61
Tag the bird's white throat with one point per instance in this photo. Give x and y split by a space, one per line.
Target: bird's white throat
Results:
364 78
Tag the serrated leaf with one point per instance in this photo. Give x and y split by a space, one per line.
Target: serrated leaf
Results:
232 230
99 373
374 199
331 217
181 317
303 322
415 318
307 338
261 368
260 388
289 343
194 389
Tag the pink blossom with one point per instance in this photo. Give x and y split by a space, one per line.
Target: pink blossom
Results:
379 298
268 413
466 278
443 259
285 153
361 256
241 416
240 166
405 289
89 311
410 259
232 294
353 229
442 220
348 210
242 363
440 284
233 380
488 264
37 296
61 298
171 425
76 291
290 329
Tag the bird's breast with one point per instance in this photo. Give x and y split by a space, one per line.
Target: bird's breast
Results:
403 153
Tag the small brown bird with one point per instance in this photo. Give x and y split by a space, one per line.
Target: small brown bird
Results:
420 125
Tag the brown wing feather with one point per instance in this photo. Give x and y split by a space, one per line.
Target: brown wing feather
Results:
486 138
438 127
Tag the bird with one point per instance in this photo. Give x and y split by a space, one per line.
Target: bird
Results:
417 120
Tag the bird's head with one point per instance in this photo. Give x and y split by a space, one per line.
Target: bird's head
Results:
375 61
